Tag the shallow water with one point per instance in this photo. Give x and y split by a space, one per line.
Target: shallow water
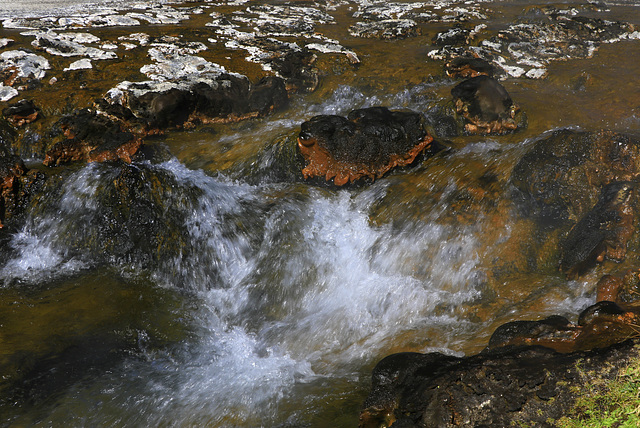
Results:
278 297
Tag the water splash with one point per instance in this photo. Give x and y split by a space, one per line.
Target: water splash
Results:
292 287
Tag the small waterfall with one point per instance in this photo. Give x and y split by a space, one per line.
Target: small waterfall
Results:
292 287
292 292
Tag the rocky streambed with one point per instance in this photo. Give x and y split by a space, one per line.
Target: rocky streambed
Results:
232 213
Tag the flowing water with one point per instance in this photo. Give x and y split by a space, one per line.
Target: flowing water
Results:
280 296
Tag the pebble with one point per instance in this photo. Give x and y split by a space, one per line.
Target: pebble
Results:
81 64
7 92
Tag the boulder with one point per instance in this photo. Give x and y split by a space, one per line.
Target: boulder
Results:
154 106
485 106
622 288
88 136
21 113
510 386
600 325
366 144
555 332
136 214
469 66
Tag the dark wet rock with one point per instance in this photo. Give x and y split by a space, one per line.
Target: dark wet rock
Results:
226 101
608 288
163 109
554 332
600 309
11 169
185 89
227 98
366 144
602 324
238 100
8 133
297 69
603 233
560 179
443 122
133 213
88 136
505 387
467 67
21 113
17 186
268 95
485 105
455 58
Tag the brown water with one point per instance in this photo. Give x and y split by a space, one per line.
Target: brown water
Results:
314 285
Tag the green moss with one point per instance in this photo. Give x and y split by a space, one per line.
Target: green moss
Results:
603 403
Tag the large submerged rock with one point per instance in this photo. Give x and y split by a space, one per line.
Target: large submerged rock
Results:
366 144
602 324
603 232
584 185
562 175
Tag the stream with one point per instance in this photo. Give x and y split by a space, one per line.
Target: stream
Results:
270 300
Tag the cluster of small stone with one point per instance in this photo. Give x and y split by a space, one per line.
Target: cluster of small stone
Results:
392 20
525 49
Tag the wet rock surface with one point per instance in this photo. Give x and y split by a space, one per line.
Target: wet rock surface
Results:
485 105
562 175
88 136
134 216
367 143
227 98
603 232
532 385
21 113
545 34
528 373
18 185
466 67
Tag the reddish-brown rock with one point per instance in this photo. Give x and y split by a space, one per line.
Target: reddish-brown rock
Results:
92 137
366 144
